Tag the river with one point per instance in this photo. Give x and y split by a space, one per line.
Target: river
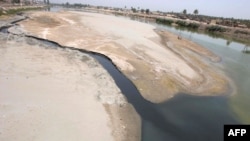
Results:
235 63
187 117
202 118
193 118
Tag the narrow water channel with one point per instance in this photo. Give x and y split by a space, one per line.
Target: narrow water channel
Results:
4 29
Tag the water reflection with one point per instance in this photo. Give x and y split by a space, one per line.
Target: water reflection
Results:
53 8
246 49
228 42
47 8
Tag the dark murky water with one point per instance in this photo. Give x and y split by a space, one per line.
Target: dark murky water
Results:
4 29
184 117
189 118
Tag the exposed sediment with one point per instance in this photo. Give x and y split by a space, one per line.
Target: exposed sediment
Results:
63 93
157 62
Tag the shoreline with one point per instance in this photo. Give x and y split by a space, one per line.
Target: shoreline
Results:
235 34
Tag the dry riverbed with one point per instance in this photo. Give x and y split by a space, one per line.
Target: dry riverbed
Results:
58 94
53 93
159 64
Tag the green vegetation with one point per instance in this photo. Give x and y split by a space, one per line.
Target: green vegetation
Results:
193 25
187 25
15 1
142 10
183 24
196 12
184 11
164 21
78 5
215 28
15 11
133 10
242 32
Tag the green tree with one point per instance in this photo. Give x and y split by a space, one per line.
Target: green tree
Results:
67 4
147 11
142 10
133 10
15 1
184 11
196 12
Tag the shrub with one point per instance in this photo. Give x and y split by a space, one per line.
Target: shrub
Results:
164 21
181 23
216 29
1 12
193 25
242 32
188 25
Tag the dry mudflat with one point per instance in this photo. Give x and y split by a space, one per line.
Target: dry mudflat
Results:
159 64
58 94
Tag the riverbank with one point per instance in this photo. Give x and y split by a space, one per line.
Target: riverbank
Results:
210 27
60 94
14 9
159 64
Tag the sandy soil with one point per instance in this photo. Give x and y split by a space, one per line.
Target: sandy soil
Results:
157 62
60 95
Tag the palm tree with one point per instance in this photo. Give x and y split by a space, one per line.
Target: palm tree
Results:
196 12
184 11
